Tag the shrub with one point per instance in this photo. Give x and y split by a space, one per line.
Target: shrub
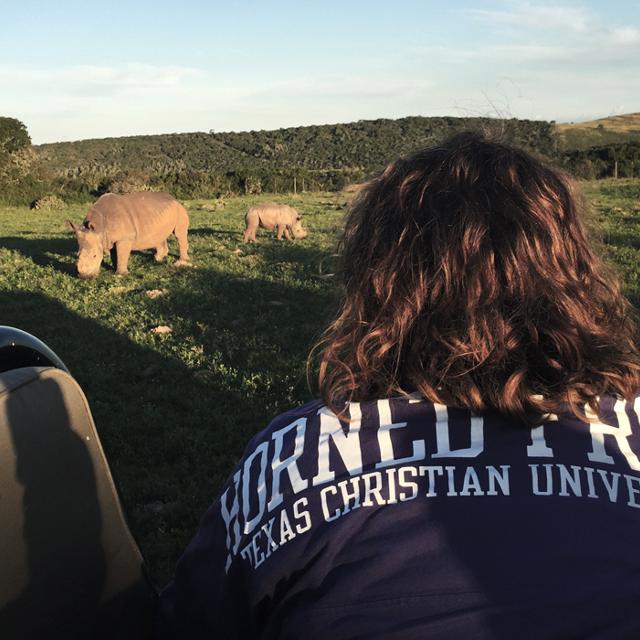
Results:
13 135
125 182
48 202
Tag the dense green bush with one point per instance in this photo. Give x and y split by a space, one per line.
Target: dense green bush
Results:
23 190
314 158
125 182
614 160
22 175
13 135
209 165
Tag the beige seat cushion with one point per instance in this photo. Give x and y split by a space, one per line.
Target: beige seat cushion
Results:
67 559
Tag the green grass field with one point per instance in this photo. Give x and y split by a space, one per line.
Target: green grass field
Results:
175 411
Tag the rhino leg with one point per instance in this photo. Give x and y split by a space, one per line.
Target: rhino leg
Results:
123 251
180 232
250 230
282 228
287 235
162 251
249 235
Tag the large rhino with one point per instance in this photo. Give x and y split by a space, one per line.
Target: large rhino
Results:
123 223
269 215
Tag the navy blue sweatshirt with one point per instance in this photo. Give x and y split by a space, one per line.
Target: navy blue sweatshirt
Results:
415 520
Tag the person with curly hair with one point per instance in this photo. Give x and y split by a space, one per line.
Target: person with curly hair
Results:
471 468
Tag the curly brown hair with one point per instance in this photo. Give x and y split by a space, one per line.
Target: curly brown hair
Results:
468 278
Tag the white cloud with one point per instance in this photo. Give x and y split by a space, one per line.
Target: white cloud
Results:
509 53
586 37
97 101
333 87
92 79
625 35
592 44
525 14
553 61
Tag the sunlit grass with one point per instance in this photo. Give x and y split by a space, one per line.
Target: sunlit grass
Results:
175 410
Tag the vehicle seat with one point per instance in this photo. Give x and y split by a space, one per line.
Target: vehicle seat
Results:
69 566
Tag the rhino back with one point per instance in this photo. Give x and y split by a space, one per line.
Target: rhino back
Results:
145 218
272 214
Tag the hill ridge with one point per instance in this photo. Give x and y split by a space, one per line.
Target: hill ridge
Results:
618 122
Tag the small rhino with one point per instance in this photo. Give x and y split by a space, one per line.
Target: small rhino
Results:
269 215
123 223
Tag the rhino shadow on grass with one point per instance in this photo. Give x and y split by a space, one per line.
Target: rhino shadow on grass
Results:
205 232
45 252
51 252
267 237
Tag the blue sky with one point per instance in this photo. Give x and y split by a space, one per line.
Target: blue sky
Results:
73 70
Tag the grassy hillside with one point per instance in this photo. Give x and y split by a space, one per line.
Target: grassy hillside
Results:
199 151
366 145
176 410
601 132
625 123
312 158
208 165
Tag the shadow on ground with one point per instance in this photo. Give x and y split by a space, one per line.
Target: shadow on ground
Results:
207 232
45 252
173 426
52 252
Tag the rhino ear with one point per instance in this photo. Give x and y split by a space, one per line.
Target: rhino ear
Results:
88 225
298 218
